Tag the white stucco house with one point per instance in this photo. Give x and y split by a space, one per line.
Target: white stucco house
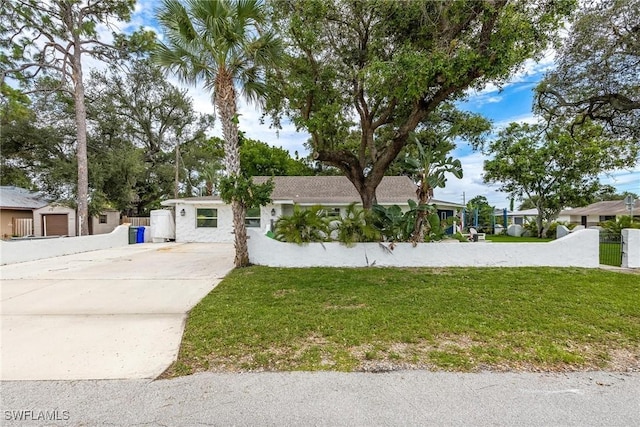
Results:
598 212
524 216
209 219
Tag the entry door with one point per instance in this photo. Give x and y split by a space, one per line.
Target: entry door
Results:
55 225
444 214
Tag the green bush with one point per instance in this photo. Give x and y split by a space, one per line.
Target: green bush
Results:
304 226
355 226
619 224
551 232
358 225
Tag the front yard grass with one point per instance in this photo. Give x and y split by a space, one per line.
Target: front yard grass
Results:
611 254
378 319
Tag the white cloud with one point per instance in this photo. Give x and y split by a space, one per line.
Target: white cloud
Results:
530 71
529 118
623 180
471 184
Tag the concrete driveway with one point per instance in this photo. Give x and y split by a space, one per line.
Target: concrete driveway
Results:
109 314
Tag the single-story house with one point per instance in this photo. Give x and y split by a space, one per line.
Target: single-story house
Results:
209 219
24 213
524 216
521 217
598 212
105 222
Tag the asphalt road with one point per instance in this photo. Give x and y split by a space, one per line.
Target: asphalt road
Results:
402 398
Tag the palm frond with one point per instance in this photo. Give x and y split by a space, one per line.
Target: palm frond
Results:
203 37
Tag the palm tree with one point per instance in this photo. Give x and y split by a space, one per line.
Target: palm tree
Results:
221 43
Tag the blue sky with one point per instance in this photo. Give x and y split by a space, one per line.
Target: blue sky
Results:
510 103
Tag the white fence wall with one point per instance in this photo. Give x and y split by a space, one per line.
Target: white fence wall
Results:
631 248
580 249
29 250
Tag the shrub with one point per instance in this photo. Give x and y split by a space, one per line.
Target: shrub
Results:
551 232
355 226
304 226
616 226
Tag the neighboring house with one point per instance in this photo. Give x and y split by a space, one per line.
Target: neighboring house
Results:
598 212
209 219
24 213
524 216
104 223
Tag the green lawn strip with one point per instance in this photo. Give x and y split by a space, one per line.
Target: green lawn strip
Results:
611 254
376 319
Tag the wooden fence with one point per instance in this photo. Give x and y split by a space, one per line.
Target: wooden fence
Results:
137 221
22 227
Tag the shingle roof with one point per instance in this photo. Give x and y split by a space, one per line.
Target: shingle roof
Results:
611 207
337 189
525 212
326 190
20 198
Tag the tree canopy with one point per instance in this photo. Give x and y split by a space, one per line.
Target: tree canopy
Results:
479 205
39 37
361 76
551 166
258 158
597 77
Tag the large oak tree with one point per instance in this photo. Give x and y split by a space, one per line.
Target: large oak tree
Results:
382 68
597 77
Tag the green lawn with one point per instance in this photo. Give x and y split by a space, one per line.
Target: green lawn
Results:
611 254
464 319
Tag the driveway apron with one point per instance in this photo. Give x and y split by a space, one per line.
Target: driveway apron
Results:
110 314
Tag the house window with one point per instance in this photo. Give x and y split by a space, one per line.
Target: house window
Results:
102 219
207 218
607 218
331 212
253 218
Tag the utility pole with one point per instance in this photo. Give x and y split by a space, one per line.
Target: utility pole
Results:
177 177
630 202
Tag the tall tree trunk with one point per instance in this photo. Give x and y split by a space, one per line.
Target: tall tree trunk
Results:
176 181
368 197
81 124
226 104
424 194
366 186
539 218
242 251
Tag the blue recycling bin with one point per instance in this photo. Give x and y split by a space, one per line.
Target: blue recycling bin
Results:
140 235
